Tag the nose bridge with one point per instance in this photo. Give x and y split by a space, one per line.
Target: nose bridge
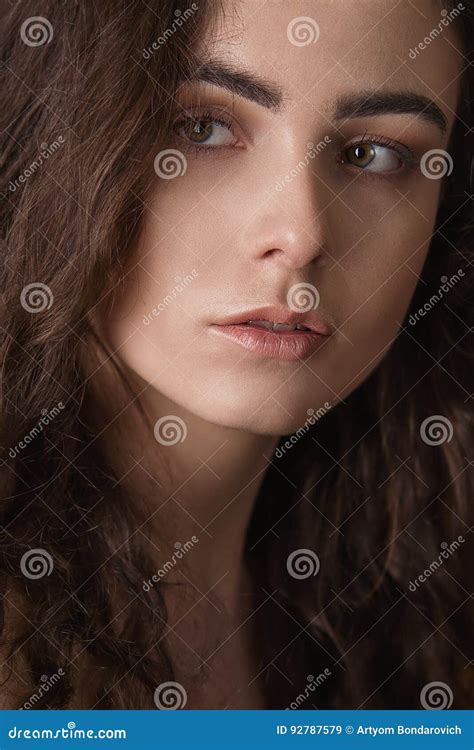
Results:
293 218
302 198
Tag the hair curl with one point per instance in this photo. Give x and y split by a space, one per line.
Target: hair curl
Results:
361 488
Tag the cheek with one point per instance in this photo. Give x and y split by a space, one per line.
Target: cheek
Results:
169 259
159 322
376 285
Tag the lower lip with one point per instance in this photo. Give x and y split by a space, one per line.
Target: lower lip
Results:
289 346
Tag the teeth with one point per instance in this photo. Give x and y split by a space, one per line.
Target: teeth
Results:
271 326
283 327
261 324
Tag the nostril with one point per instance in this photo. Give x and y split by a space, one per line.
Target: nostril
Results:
272 253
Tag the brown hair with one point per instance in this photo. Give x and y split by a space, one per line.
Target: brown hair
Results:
361 488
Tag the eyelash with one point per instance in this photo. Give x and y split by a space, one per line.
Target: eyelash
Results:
405 154
205 117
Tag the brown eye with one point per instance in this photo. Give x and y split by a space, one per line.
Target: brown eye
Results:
360 155
373 157
205 131
198 131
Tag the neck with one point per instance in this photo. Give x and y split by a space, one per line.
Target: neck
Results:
201 487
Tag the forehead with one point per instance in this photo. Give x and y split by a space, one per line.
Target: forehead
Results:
314 48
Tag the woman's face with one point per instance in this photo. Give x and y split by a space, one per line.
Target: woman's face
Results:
250 221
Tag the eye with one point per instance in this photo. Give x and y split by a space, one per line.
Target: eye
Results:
375 157
209 132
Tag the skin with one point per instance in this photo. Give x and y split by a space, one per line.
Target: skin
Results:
359 237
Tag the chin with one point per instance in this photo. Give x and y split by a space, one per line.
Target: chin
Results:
260 417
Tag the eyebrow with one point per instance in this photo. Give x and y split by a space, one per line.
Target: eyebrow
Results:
241 83
269 95
368 104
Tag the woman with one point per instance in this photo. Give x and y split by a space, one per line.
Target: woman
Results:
236 355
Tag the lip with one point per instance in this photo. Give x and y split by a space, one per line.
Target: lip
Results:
288 346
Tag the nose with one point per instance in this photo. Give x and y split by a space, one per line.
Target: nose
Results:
291 230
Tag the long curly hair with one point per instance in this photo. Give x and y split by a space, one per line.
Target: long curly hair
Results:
379 488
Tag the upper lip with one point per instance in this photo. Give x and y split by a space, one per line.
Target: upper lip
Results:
277 314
